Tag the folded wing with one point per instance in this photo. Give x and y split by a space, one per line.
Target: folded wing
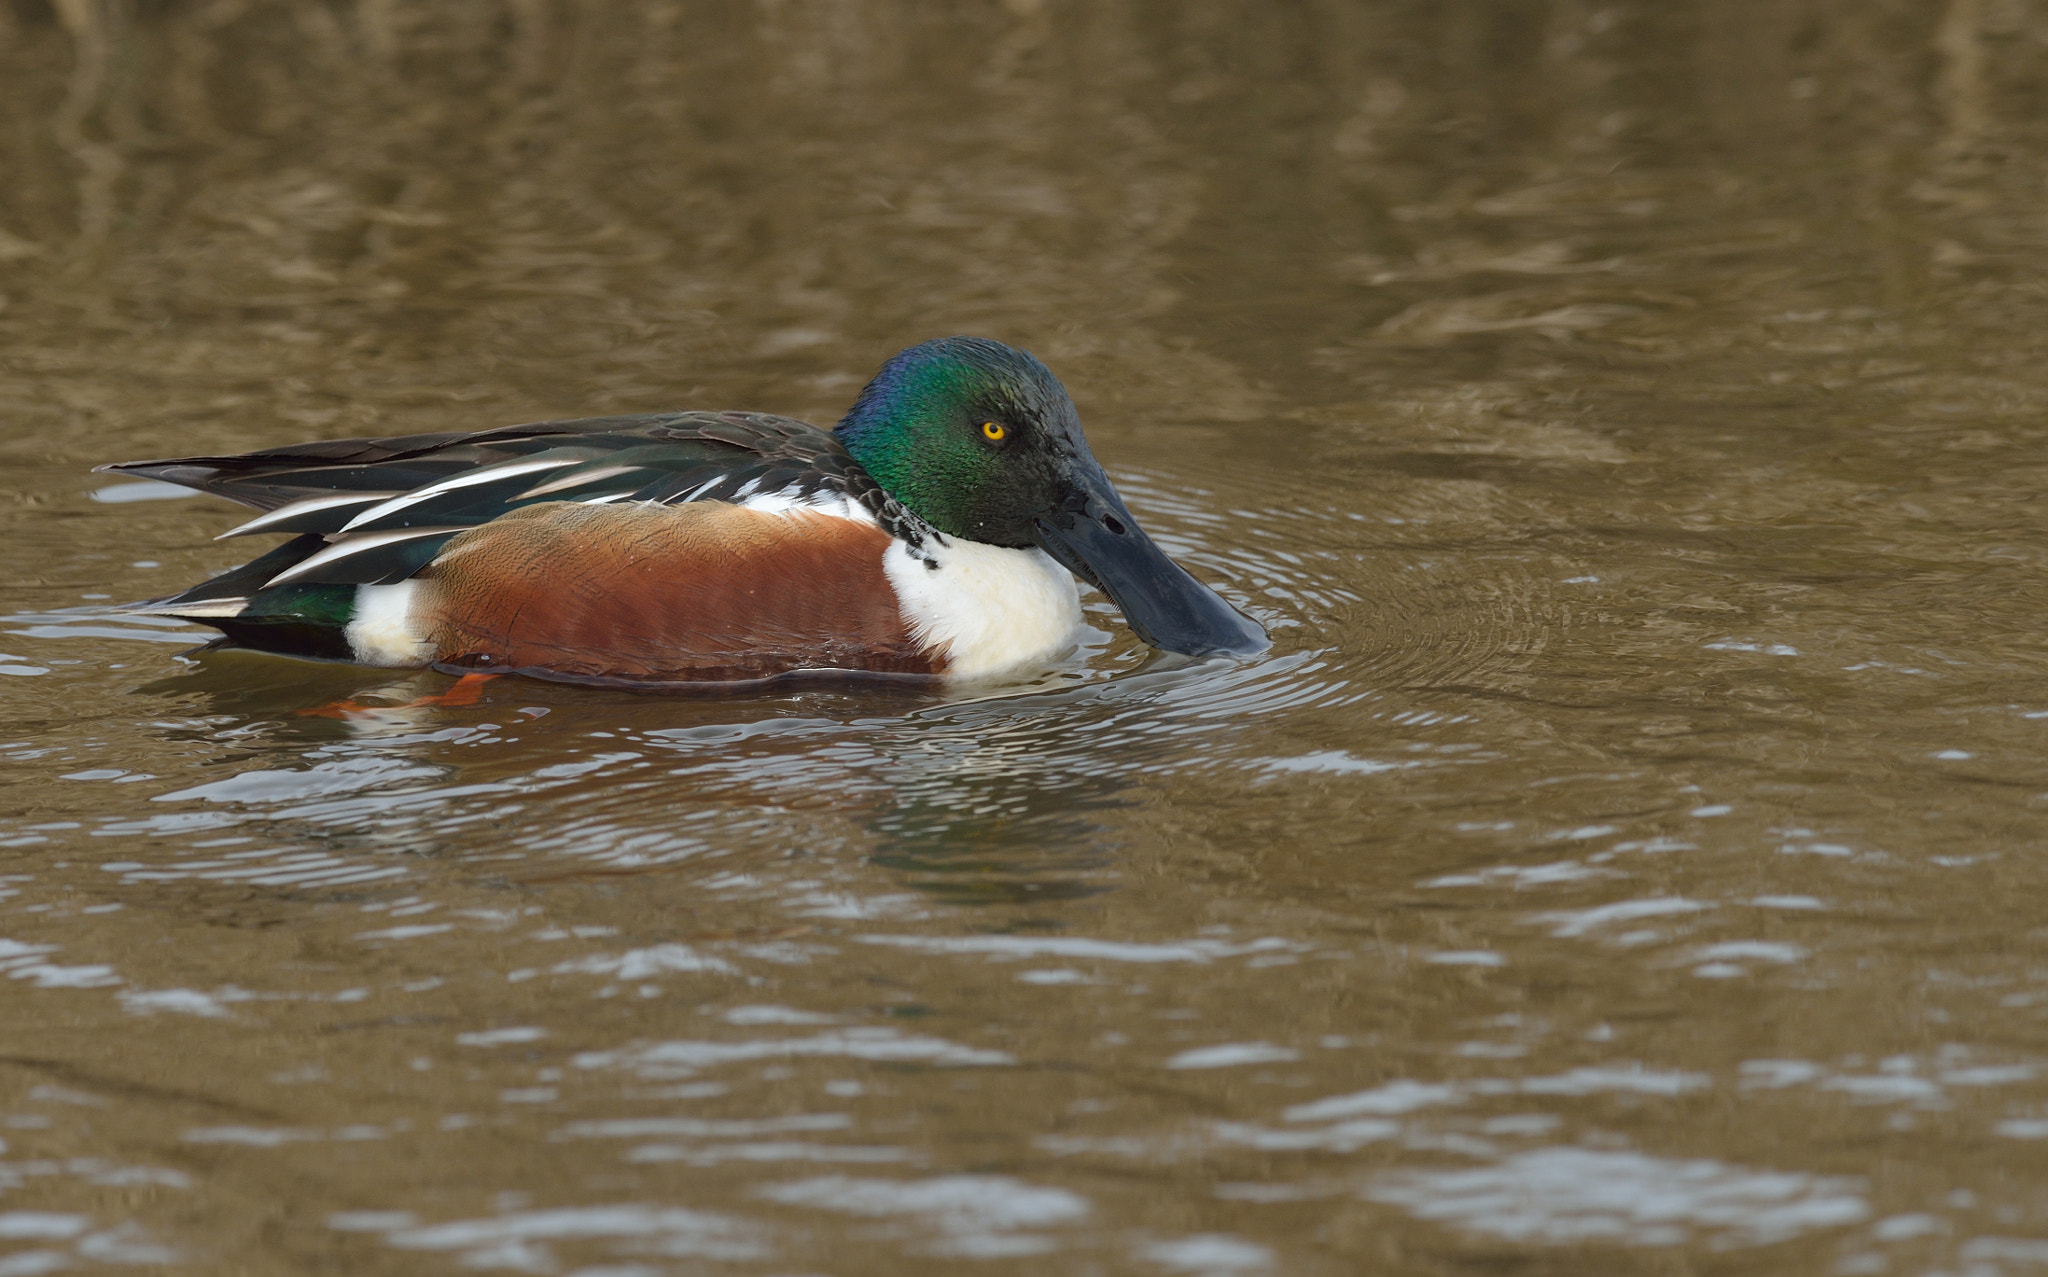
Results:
375 511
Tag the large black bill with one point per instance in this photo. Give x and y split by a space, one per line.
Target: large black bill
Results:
1101 543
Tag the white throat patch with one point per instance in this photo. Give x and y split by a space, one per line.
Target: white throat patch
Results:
990 609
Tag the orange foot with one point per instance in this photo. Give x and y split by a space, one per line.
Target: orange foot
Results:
468 690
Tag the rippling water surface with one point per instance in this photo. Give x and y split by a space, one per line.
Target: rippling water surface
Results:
1629 420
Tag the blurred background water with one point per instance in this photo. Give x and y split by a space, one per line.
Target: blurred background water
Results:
1628 418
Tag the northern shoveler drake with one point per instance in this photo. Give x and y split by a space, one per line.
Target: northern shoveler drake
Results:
933 532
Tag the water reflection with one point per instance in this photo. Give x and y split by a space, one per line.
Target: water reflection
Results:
1571 1195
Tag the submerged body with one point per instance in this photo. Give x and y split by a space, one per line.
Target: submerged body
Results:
707 547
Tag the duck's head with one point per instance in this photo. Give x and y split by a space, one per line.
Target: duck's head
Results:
982 442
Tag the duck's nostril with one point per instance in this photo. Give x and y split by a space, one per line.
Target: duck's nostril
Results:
1111 522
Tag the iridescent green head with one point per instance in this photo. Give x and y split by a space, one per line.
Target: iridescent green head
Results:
982 442
967 433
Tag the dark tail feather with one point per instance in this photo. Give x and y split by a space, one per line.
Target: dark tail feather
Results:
295 620
243 477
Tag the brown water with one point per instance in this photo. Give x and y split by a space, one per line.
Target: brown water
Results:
1629 419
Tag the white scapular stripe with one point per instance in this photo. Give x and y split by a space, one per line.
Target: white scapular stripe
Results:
353 546
823 501
691 495
292 510
568 482
467 479
990 609
205 607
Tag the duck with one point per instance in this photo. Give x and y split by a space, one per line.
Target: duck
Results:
939 532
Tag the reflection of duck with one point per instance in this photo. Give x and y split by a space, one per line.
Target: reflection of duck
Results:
931 533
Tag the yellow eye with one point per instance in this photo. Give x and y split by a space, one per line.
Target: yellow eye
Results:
993 431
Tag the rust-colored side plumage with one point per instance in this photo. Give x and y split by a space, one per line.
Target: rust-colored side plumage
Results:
704 591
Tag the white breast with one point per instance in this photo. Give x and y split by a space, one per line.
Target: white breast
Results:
989 609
